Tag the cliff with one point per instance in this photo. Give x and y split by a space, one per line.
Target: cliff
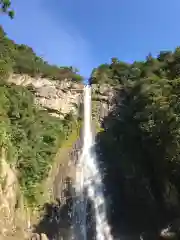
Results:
140 145
59 98
9 191
39 109
103 100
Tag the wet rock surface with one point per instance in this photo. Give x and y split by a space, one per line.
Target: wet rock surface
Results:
56 222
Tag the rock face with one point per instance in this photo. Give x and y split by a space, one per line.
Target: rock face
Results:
102 100
13 218
56 221
8 186
59 98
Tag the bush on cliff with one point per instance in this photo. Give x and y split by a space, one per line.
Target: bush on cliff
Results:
31 136
19 58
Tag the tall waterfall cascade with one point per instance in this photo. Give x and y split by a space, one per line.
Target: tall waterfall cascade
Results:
88 184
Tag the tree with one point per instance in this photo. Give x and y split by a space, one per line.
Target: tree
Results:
5 6
22 59
140 144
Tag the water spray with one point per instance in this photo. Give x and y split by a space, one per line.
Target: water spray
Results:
88 182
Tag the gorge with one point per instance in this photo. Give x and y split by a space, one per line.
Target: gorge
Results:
135 110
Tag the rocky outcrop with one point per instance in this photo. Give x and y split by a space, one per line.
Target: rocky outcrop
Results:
59 98
13 216
102 100
15 220
36 236
56 221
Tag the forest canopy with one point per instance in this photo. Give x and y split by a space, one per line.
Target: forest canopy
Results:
141 140
166 65
19 58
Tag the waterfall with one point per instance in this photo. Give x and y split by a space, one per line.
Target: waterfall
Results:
88 184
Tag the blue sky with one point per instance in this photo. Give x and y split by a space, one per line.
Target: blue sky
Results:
86 33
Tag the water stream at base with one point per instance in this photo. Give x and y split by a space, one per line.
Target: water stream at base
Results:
88 185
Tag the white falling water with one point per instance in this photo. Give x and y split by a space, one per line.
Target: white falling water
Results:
88 184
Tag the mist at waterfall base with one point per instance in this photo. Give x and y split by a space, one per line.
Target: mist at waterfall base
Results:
88 185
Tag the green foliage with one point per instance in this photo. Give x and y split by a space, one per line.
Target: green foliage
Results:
5 70
22 59
31 136
166 65
5 6
140 144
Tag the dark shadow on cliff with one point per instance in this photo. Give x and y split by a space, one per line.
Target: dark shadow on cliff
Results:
135 172
58 219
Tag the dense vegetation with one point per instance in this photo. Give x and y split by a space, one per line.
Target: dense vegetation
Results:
141 140
30 135
19 58
140 144
166 66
